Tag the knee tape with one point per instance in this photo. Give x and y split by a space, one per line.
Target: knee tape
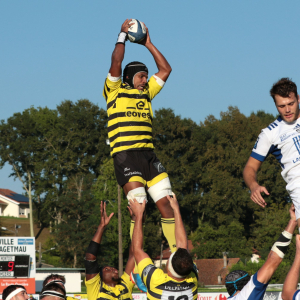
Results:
160 189
139 194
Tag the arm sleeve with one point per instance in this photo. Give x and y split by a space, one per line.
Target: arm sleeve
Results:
262 147
146 270
155 86
296 295
93 287
111 85
126 280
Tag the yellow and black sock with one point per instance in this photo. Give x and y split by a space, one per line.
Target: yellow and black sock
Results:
168 227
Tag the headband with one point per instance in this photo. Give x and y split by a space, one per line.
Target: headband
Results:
14 293
171 269
53 293
55 281
234 283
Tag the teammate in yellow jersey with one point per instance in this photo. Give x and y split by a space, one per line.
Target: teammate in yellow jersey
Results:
180 281
104 282
130 129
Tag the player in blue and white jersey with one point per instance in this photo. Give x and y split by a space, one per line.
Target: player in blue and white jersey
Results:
240 286
282 139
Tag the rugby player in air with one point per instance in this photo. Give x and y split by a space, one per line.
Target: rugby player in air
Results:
181 280
281 139
240 286
290 291
104 282
130 117
15 292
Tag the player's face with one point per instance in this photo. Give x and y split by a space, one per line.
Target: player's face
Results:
140 80
288 108
110 273
22 296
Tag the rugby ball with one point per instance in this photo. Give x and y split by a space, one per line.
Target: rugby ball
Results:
136 31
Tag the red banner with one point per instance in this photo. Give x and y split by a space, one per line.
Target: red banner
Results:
28 283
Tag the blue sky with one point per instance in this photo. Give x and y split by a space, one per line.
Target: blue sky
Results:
222 53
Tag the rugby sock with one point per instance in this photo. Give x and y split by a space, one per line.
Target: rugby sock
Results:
168 227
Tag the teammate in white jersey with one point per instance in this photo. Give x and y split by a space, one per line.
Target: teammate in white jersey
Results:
289 291
282 139
240 286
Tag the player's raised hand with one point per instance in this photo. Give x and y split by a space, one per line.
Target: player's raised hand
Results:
298 244
146 41
136 207
292 212
104 221
256 196
173 201
125 26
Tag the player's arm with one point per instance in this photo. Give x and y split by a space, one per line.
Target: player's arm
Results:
164 69
91 265
119 51
276 254
291 281
137 236
249 174
180 234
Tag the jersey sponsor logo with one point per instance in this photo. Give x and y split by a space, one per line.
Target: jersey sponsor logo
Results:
140 105
297 128
126 169
160 168
296 140
147 270
133 173
138 114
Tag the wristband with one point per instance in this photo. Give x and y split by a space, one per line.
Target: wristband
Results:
281 245
122 38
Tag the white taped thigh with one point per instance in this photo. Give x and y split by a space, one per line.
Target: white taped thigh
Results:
139 194
160 189
293 189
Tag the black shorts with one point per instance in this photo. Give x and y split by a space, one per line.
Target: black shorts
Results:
138 165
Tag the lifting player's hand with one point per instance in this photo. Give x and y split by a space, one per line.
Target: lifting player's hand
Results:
173 201
125 26
146 41
136 207
256 196
104 221
292 212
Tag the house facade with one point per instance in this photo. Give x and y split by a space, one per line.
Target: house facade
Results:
13 204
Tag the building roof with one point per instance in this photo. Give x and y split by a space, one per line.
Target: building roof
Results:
14 196
210 269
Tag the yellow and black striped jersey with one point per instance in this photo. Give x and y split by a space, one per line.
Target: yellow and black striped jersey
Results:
98 290
129 114
161 286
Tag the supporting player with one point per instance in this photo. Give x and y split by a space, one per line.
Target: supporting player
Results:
181 280
289 291
130 129
58 279
105 282
282 139
240 286
53 291
15 292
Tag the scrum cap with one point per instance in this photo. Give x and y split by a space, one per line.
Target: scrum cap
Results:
235 281
131 70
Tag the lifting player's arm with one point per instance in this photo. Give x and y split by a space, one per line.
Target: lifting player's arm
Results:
91 265
137 236
291 281
164 69
249 174
278 250
180 234
119 51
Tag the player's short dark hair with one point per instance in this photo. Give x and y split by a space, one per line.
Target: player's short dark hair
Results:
283 87
236 280
55 287
10 289
182 262
52 277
